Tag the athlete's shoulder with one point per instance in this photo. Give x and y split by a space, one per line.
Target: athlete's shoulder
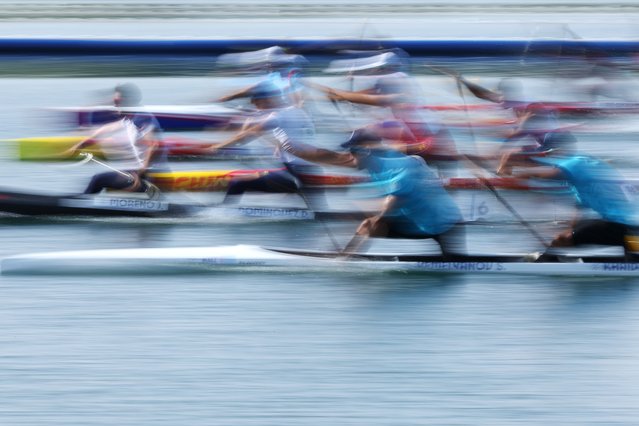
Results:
144 119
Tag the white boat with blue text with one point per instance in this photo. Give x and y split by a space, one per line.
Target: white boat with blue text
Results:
245 258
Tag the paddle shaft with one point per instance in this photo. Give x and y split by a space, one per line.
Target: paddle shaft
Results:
483 180
514 212
91 158
330 234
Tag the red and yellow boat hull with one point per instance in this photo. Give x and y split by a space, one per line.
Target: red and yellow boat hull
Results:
218 180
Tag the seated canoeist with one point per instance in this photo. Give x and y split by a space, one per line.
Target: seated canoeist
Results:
131 141
278 67
538 125
292 133
415 204
598 188
411 128
536 129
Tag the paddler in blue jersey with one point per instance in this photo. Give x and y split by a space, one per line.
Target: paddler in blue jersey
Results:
292 133
600 189
132 142
538 132
415 203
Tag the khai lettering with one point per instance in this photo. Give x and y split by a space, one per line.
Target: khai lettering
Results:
620 267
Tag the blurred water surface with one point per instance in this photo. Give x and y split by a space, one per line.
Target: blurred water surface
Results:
291 349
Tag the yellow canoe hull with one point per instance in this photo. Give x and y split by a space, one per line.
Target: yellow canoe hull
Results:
49 147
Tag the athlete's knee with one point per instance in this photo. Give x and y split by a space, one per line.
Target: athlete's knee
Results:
564 239
97 184
134 184
631 244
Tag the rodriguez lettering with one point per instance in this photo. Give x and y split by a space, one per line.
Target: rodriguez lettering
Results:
270 212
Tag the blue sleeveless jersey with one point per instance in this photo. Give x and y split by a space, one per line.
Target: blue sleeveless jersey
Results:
601 188
423 206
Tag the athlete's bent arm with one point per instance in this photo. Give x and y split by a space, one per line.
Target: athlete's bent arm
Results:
243 135
238 94
364 98
542 172
99 133
326 156
481 92
373 226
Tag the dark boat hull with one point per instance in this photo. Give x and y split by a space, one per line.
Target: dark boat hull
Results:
28 204
51 205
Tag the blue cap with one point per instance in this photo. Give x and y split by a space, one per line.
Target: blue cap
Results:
265 89
361 137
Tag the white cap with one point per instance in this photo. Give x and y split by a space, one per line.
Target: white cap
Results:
270 55
361 64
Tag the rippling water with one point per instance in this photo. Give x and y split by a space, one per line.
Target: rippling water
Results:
273 350
292 349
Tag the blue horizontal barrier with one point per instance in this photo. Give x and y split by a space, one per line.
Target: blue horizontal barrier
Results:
493 47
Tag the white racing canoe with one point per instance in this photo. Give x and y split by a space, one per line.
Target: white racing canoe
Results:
243 258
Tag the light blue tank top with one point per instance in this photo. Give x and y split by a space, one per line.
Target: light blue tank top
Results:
423 205
601 188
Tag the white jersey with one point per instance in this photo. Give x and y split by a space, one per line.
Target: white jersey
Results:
122 143
294 132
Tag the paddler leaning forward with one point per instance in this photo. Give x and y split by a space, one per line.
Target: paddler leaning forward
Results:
292 133
131 141
412 128
600 189
415 205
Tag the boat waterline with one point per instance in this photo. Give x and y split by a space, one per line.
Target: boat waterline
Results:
250 257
